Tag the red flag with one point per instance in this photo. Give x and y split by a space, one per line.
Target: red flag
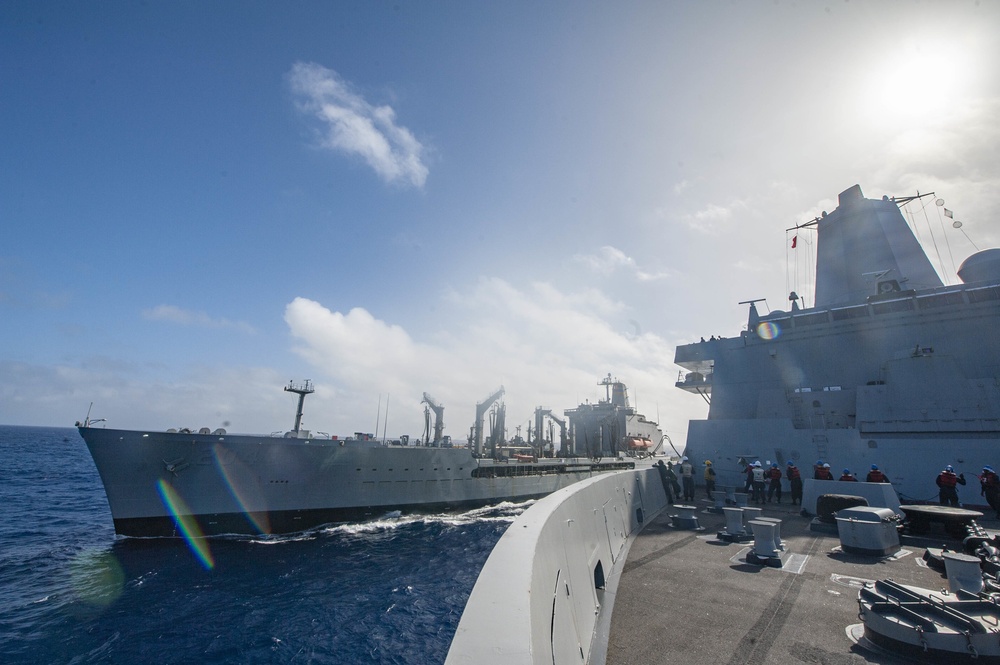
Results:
795 240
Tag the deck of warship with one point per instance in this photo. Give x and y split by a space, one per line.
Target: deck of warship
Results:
686 597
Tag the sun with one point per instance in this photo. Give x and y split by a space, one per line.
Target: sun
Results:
917 84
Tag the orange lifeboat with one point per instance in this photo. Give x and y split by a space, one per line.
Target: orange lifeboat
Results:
638 443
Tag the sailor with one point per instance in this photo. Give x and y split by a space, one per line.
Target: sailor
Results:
876 476
672 478
709 478
758 483
687 479
989 483
662 469
824 473
774 482
795 480
848 476
818 470
947 481
748 485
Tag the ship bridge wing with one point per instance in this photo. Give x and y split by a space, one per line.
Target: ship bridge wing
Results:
699 361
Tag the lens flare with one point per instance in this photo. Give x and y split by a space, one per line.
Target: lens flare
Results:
768 330
186 524
97 578
232 470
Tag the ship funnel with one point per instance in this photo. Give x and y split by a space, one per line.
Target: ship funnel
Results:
618 395
865 247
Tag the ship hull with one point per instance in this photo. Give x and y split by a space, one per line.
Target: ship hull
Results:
183 484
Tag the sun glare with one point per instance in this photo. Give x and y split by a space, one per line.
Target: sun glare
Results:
918 84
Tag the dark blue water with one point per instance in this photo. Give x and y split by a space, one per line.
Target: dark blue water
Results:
389 591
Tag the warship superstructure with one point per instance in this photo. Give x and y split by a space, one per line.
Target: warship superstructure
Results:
208 482
890 366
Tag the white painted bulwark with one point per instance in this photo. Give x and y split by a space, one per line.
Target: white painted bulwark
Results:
878 495
540 595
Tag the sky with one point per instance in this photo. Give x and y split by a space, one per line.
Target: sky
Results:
200 202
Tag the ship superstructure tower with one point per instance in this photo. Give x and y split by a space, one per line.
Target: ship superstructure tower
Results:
602 429
889 367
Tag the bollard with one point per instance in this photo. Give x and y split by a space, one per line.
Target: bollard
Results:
763 539
685 517
720 500
734 531
741 499
777 531
734 521
750 514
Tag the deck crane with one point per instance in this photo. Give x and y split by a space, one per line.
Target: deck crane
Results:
438 420
477 428
540 414
498 427
563 438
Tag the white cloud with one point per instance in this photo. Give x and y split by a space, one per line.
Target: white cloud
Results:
353 126
546 347
174 314
611 259
714 219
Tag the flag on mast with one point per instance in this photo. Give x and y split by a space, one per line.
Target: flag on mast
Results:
795 241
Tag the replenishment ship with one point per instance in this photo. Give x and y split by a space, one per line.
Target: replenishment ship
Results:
890 366
193 483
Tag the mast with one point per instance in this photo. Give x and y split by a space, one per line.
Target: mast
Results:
301 390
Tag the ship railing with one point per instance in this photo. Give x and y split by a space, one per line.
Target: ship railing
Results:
887 304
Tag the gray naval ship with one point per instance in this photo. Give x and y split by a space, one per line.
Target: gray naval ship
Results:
890 367
185 483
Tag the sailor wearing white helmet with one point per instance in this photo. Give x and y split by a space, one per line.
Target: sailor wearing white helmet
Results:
758 483
687 479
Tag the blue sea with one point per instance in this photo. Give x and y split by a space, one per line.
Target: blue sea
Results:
387 591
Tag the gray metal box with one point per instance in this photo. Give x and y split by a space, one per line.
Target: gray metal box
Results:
868 530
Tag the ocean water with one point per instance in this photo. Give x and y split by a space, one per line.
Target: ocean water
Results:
387 591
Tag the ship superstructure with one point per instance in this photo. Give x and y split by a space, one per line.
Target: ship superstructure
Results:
612 425
890 367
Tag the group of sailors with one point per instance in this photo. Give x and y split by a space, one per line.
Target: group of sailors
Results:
674 490
989 487
763 484
759 478
821 471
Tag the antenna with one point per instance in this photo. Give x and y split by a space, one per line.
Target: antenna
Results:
385 422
